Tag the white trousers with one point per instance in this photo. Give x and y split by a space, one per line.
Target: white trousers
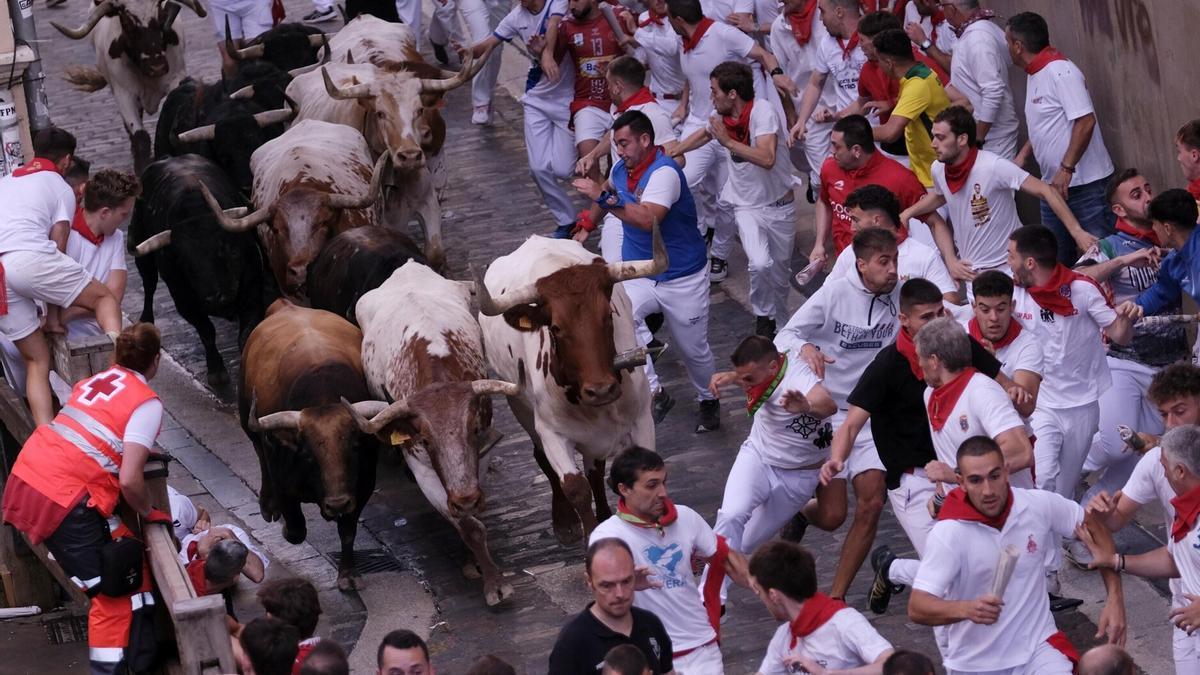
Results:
1125 402
612 236
1046 660
816 149
443 23
910 502
705 660
410 13
444 28
706 169
760 499
1064 436
863 454
550 146
684 305
767 234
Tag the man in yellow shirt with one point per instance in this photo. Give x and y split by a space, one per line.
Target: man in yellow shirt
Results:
922 97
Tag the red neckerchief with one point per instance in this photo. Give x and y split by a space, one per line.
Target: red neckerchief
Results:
1138 233
958 507
195 572
38 165
701 28
802 22
1045 57
711 593
936 19
79 224
739 127
904 345
848 47
639 97
1193 189
1187 507
635 174
1062 643
874 159
759 393
956 174
813 614
652 18
977 15
1055 294
1014 329
943 398
670 516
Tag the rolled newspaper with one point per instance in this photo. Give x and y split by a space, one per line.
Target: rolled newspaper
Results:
1166 320
1004 569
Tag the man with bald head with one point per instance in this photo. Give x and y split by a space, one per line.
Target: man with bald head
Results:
1106 660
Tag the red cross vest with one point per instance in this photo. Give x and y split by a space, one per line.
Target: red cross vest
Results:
78 452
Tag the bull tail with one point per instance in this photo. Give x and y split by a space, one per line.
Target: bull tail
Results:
86 79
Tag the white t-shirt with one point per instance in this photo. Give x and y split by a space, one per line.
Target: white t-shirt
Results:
1186 553
942 36
662 187
980 71
521 23
1076 370
100 261
237 532
799 62
749 184
659 48
660 120
842 68
984 210
719 10
916 260
1146 484
1023 353
31 205
960 563
1055 97
784 439
669 556
983 409
720 43
846 640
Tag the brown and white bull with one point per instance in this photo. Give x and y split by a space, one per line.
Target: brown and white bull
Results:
310 184
555 314
422 349
298 366
139 55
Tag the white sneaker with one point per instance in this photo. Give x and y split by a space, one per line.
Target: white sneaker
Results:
482 115
1078 553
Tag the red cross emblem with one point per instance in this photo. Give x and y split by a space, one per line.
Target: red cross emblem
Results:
102 387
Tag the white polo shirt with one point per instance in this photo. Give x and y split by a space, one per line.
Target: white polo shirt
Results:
720 43
943 38
799 62
1076 370
749 184
980 71
669 556
959 563
1023 353
916 260
31 204
846 640
984 210
659 48
983 409
1055 97
841 67
521 23
786 440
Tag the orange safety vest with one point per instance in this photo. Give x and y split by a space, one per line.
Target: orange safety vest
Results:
80 450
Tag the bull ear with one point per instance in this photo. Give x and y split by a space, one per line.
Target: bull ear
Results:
527 318
117 47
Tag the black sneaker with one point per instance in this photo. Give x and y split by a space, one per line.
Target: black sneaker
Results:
883 589
764 326
319 16
1060 604
660 405
710 416
810 195
795 529
439 53
717 270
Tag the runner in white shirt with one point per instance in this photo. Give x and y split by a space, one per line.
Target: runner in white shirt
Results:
876 206
926 25
838 55
796 37
1064 136
659 47
980 71
1019 351
1015 633
477 17
818 633
978 188
549 141
759 186
664 538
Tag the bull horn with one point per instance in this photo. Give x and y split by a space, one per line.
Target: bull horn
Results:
287 419
86 27
251 52
318 40
382 416
228 222
193 5
495 387
339 201
245 93
624 271
280 116
489 306
152 244
460 78
296 72
199 134
354 91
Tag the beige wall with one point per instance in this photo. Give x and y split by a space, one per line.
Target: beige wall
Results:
1139 57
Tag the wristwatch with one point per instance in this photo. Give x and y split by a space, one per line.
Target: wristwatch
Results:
608 200
926 43
776 71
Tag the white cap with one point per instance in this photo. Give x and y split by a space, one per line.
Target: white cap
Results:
183 511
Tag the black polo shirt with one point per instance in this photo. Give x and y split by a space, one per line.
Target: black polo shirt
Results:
582 643
896 400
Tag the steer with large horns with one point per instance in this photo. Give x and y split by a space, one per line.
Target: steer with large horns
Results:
298 366
310 184
555 314
138 54
422 350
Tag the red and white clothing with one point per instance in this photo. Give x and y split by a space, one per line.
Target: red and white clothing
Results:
1183 547
1055 96
914 260
960 563
982 207
843 640
842 61
659 48
591 45
980 71
837 184
978 407
798 50
939 32
188 545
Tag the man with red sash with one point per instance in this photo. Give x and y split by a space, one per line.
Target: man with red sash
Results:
66 483
665 538
984 521
819 634
38 206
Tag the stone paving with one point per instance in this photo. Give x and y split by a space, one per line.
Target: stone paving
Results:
491 207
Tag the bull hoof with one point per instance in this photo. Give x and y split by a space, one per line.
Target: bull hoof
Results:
295 536
471 571
568 533
218 378
349 581
268 509
498 594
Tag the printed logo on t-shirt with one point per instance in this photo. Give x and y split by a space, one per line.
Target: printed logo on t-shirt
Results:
1047 316
857 337
981 210
808 426
1031 545
655 648
963 423
665 560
